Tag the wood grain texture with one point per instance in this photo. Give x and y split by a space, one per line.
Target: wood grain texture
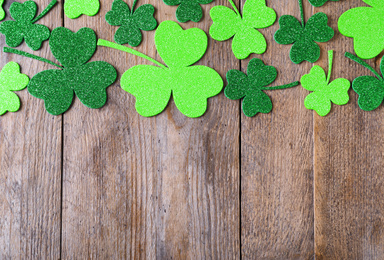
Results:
169 187
349 182
165 187
30 165
276 161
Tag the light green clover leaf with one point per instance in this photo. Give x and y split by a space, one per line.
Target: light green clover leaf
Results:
324 91
190 86
11 80
246 39
75 8
2 13
365 25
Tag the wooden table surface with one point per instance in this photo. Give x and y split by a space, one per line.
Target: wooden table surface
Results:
110 183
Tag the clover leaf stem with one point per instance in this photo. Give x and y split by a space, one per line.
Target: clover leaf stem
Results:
29 55
234 7
116 46
301 12
133 6
330 64
45 11
363 63
290 85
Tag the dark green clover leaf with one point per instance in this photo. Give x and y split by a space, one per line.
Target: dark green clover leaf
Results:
370 89
251 87
318 3
88 81
131 22
24 26
304 36
188 10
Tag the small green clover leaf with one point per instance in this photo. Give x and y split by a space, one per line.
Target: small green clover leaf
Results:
131 22
75 8
370 89
190 85
2 12
228 23
251 87
365 25
11 80
318 3
304 36
88 81
188 10
324 93
23 27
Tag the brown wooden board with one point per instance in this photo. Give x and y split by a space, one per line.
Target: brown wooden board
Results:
276 160
348 163
111 184
165 187
30 163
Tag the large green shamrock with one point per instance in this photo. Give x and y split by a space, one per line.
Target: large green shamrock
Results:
190 86
369 89
251 87
23 27
303 36
75 8
131 22
188 10
2 13
318 3
324 93
87 80
11 80
366 26
228 23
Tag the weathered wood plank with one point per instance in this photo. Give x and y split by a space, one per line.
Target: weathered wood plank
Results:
30 164
349 210
165 187
276 161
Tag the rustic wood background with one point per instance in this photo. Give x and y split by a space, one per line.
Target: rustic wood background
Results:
109 183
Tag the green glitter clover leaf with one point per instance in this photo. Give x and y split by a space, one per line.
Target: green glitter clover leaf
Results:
188 10
131 22
365 25
23 27
75 8
324 92
318 3
11 80
190 86
369 89
88 81
304 36
246 39
2 12
251 87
